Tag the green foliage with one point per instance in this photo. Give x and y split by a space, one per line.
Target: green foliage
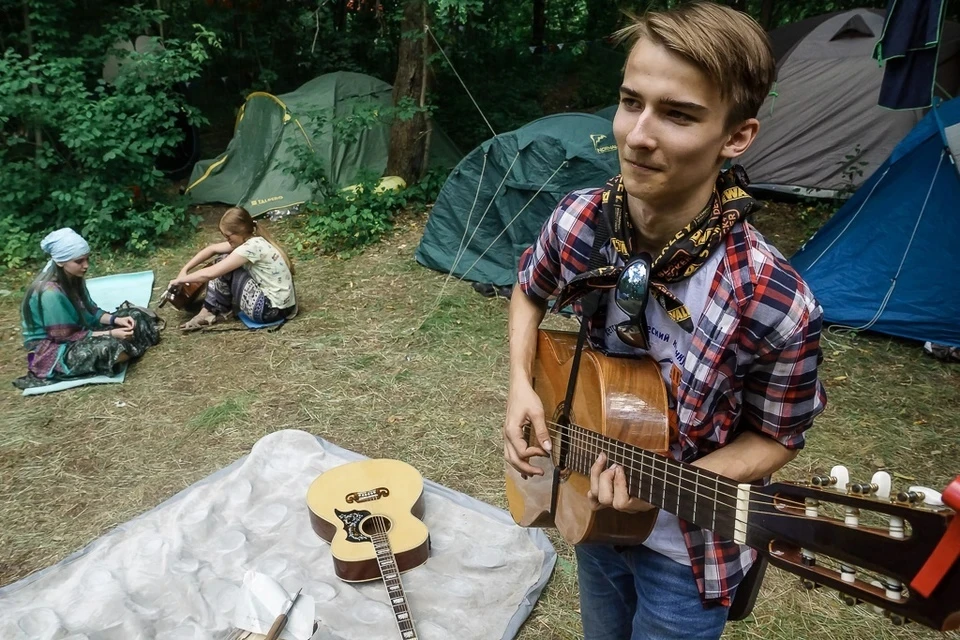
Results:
428 187
351 219
851 168
812 213
81 152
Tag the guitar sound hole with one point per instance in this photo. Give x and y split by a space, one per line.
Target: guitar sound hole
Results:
374 525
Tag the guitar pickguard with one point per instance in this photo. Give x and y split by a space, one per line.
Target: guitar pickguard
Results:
351 524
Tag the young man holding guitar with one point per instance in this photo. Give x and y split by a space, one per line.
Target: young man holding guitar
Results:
733 327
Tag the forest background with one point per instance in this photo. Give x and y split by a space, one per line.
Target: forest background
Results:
79 151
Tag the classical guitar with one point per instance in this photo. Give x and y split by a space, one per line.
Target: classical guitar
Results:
370 512
897 551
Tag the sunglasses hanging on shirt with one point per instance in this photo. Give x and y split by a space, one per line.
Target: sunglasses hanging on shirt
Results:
631 295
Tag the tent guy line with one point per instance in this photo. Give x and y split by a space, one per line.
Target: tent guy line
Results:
426 28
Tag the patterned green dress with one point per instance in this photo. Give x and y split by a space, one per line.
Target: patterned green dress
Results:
60 344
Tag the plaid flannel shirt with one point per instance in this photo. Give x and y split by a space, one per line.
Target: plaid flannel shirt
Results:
752 362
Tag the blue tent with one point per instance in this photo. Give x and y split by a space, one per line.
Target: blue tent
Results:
887 260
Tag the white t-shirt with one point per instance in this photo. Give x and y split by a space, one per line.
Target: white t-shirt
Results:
269 270
670 347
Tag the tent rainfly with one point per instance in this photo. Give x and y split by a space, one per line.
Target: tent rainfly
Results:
886 260
821 130
495 201
256 170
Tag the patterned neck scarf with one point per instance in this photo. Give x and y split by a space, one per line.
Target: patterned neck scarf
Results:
692 245
684 254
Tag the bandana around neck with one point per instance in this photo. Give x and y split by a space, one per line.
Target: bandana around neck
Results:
692 245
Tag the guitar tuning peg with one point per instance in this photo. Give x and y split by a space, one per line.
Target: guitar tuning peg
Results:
851 516
875 608
928 496
863 488
881 480
823 481
840 476
808 584
895 618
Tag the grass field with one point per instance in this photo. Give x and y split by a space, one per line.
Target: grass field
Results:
379 362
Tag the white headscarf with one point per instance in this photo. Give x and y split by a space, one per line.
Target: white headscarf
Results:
64 245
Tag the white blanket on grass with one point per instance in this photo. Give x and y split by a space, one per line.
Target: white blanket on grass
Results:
175 571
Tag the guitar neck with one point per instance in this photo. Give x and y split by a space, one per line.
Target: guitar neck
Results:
391 578
701 497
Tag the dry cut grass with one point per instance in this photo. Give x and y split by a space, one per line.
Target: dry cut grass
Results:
377 362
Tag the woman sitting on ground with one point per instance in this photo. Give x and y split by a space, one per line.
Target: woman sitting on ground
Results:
65 333
253 274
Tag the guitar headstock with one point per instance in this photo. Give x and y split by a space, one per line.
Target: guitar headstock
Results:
896 550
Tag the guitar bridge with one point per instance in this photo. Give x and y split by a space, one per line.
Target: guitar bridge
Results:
367 496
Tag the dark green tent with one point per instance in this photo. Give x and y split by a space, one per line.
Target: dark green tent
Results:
494 202
608 112
270 129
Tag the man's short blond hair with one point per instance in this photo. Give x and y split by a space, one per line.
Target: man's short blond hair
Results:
729 46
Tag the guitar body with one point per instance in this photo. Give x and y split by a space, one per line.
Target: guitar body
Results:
184 296
621 398
351 503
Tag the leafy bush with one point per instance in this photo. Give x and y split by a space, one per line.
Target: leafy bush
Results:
81 152
427 188
348 220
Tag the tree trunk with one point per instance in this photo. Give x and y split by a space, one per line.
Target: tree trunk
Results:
34 88
539 32
428 134
160 23
340 14
766 14
408 137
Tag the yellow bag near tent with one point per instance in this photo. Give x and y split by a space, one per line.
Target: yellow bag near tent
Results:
386 183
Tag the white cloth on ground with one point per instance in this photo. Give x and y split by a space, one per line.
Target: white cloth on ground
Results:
176 571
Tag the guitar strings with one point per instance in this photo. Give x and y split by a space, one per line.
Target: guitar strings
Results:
381 530
762 501
598 439
628 454
676 480
667 473
651 467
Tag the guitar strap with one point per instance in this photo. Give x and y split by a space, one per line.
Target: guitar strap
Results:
588 306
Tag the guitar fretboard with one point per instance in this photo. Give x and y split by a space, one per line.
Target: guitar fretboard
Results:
698 496
391 578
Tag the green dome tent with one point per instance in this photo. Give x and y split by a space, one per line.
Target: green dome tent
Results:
269 129
608 112
494 202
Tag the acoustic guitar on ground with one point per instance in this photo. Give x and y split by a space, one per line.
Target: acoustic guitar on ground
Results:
896 550
370 512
